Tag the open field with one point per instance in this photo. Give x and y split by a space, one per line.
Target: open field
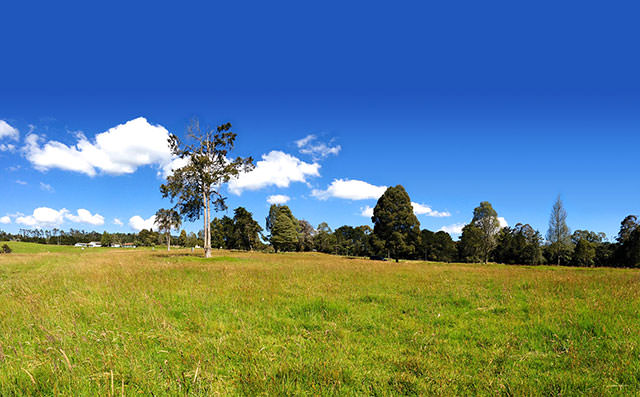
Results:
101 322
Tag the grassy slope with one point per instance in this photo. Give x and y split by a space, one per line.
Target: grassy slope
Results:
244 323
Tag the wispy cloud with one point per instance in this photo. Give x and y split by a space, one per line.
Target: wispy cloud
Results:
46 187
310 145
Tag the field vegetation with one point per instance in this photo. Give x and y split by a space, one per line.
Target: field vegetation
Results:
115 321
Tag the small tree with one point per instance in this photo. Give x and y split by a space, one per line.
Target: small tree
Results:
105 241
196 186
5 249
166 221
246 231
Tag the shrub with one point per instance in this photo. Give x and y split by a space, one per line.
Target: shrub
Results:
5 249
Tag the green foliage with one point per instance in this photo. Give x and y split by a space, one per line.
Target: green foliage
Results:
196 185
246 231
283 227
469 247
5 249
395 224
629 242
584 253
325 240
306 235
485 218
105 241
166 221
519 245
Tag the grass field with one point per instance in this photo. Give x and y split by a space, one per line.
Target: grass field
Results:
108 322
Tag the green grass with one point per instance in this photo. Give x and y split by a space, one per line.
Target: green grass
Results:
89 322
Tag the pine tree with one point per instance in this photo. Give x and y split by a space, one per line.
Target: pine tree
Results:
558 234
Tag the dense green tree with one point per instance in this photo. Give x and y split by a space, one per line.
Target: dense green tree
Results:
306 234
584 253
166 221
485 218
469 247
558 235
283 228
182 240
520 244
395 224
438 246
105 241
246 230
628 252
196 185
324 240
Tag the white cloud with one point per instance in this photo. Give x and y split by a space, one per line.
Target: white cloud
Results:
138 223
7 131
5 220
48 217
317 150
278 199
350 189
276 168
43 217
367 211
46 187
421 209
120 150
503 222
117 221
174 164
84 216
19 182
455 229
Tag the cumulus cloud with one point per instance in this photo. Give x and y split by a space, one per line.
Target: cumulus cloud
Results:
503 222
117 221
366 211
84 216
138 223
276 168
317 150
46 187
278 199
350 189
7 131
120 150
43 217
421 209
49 217
5 220
455 229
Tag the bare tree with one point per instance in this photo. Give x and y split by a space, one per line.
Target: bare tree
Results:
196 186
559 234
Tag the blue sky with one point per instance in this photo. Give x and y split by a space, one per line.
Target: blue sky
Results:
459 103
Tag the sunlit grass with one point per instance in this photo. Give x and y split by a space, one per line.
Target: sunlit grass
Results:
96 322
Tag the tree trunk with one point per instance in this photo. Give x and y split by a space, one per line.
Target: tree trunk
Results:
169 241
207 227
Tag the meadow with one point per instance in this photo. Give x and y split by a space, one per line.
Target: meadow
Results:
142 322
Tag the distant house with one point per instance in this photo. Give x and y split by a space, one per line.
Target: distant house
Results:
129 245
94 244
80 245
115 245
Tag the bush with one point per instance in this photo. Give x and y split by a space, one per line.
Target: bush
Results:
5 249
